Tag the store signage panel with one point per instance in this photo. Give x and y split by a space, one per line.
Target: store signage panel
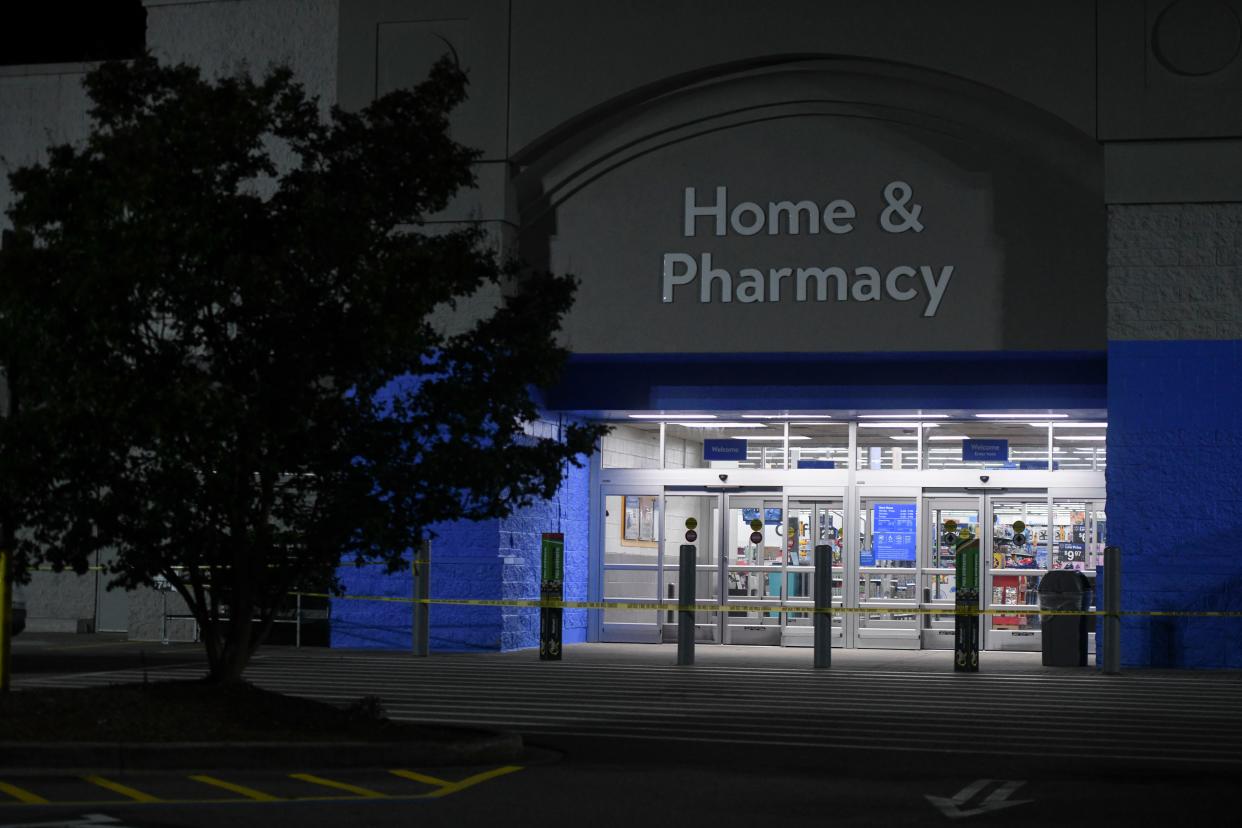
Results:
826 234
724 450
817 464
985 451
771 517
893 531
1041 465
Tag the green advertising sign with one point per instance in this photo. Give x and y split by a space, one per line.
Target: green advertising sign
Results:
553 549
968 564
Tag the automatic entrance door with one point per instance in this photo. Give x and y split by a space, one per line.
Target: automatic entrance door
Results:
755 555
769 548
1013 545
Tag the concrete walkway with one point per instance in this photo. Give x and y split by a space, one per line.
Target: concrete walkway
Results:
893 661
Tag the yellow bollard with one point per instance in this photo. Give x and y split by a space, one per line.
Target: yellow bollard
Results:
6 620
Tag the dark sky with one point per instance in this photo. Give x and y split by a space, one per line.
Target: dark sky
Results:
60 32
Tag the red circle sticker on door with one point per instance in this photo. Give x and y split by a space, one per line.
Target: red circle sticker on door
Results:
756 537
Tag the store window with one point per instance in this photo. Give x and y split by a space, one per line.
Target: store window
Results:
819 444
986 444
631 554
1079 532
890 444
1080 445
725 443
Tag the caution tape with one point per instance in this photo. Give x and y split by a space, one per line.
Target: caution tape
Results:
98 568
793 609
657 606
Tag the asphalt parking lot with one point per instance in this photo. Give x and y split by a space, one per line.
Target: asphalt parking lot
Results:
97 790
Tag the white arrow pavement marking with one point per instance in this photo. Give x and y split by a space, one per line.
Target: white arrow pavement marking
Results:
995 801
85 821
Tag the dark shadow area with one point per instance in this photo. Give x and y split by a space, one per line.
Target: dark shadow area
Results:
72 32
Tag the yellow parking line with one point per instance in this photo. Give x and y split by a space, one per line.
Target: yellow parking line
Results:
250 793
421 777
21 794
123 790
343 786
462 784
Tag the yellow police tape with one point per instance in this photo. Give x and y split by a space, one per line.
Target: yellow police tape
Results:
659 606
787 608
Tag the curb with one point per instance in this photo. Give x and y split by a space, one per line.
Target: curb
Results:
473 748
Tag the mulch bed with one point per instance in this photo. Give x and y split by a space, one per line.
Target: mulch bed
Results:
193 711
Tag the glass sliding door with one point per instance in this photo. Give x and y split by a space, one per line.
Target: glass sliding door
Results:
703 510
754 568
887 567
1016 559
949 521
814 531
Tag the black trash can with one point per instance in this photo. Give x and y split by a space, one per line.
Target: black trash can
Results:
1065 636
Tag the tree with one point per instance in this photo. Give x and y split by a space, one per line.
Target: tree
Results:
218 324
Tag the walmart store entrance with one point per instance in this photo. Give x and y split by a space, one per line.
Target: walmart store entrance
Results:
891 548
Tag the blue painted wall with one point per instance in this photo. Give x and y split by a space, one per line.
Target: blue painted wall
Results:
465 564
1175 497
489 559
520 537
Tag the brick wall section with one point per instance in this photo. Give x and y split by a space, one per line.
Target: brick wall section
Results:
488 559
520 541
1175 428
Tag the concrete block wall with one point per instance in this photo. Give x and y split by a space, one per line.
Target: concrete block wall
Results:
1175 428
476 560
43 106
223 37
60 601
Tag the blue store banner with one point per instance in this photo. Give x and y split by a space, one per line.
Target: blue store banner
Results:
817 464
724 449
1038 464
986 451
893 531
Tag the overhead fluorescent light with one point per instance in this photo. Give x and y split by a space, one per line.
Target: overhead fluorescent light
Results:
786 416
672 416
1022 416
720 425
898 425
1069 425
1095 438
820 424
766 437
903 437
947 437
903 416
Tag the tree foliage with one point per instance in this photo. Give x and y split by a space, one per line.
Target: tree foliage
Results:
218 324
